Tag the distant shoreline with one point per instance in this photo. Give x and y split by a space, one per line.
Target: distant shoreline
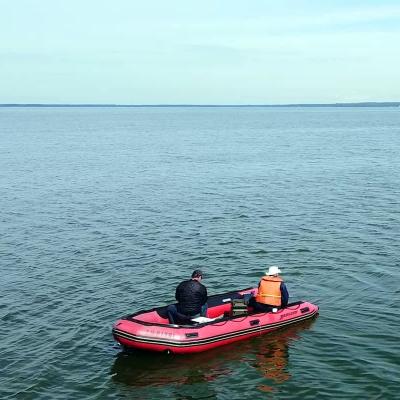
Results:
362 104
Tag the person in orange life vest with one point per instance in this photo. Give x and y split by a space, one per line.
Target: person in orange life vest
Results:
272 292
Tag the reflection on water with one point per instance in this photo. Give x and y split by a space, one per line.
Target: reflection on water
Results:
267 354
272 359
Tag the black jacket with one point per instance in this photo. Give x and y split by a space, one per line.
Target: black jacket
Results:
191 295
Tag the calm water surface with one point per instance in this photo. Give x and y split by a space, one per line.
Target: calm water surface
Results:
104 211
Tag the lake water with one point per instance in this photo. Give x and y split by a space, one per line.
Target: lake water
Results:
105 210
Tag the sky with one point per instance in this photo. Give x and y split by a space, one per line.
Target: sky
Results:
199 52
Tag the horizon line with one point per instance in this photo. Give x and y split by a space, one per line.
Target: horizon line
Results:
345 104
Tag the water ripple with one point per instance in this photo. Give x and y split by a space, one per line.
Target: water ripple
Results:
104 213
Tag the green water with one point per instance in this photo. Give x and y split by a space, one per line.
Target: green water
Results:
104 211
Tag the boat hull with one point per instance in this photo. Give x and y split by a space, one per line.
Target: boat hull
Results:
134 334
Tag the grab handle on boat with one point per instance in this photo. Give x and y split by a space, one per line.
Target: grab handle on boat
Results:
254 322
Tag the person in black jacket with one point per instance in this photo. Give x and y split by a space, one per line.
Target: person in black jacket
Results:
192 300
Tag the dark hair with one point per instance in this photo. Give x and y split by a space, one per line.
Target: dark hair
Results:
197 274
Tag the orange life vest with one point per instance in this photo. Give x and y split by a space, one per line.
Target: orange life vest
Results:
269 291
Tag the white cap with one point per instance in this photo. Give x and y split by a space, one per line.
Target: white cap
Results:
273 270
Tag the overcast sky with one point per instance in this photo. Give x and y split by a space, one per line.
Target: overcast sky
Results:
199 52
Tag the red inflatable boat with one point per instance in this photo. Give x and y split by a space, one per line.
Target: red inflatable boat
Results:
150 330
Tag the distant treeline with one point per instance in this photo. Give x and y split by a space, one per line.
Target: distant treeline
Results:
364 104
